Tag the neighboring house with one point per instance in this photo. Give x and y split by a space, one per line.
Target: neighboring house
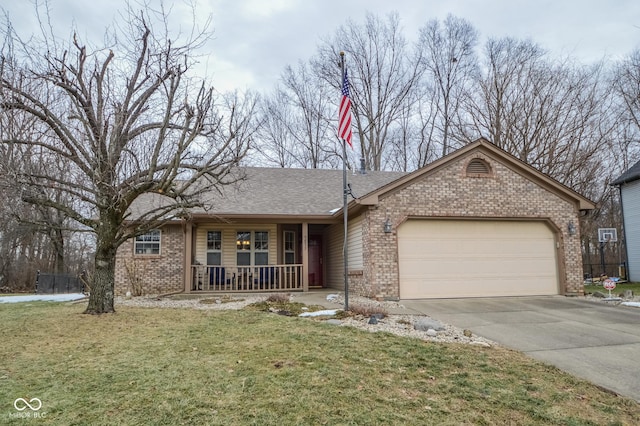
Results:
478 222
629 185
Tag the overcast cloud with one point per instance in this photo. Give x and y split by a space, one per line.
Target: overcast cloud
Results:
256 39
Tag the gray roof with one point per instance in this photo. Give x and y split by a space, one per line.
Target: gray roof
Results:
630 175
278 192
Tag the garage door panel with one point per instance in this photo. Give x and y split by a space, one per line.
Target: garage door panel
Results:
491 247
476 259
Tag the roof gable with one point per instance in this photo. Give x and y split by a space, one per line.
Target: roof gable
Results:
486 147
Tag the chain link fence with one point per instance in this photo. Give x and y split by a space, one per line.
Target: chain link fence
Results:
58 283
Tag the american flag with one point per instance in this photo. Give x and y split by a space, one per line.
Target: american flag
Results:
344 118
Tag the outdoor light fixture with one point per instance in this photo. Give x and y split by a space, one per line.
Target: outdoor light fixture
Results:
387 226
571 228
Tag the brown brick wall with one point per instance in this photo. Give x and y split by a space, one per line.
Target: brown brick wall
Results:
155 274
449 192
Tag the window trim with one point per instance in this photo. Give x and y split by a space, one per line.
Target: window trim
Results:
137 241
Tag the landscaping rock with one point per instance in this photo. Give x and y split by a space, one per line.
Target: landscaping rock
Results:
628 294
424 324
431 332
467 333
373 320
480 343
378 316
399 324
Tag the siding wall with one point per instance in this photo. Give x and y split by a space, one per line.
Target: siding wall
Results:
631 212
334 237
229 241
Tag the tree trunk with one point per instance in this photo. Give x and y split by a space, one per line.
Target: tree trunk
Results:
103 283
57 240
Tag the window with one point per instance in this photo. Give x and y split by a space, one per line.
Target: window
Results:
261 248
243 245
258 252
148 243
289 247
214 248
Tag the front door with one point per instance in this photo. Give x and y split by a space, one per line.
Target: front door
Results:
315 261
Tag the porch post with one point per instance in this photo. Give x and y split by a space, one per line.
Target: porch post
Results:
188 253
305 256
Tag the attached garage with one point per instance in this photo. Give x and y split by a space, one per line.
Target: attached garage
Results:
476 258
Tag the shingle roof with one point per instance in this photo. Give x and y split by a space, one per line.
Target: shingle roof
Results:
279 191
630 175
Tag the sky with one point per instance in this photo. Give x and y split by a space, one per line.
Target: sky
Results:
255 39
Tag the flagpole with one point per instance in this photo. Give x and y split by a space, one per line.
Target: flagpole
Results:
345 192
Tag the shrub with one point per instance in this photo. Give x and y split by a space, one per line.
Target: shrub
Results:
367 310
279 298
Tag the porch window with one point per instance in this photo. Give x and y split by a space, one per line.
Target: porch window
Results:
148 243
214 247
252 246
243 245
261 248
289 247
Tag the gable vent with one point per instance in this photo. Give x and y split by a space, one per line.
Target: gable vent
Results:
478 167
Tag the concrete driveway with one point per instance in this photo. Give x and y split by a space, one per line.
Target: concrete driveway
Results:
595 341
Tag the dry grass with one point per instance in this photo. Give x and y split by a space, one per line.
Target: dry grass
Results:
279 298
178 366
367 310
222 299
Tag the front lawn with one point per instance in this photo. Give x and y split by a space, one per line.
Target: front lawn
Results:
179 366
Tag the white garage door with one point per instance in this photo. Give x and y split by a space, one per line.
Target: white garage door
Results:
465 258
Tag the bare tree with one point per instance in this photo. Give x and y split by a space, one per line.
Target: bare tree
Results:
626 86
19 221
296 127
382 75
125 121
448 55
553 116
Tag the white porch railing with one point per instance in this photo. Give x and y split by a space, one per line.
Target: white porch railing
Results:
246 278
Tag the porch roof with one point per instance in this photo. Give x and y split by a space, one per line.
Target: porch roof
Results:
296 192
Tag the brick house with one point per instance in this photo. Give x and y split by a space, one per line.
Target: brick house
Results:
478 222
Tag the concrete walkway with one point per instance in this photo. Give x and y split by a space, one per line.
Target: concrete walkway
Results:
593 340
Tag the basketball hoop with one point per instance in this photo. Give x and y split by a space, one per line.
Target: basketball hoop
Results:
607 235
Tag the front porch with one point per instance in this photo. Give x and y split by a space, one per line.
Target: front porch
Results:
214 278
249 256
